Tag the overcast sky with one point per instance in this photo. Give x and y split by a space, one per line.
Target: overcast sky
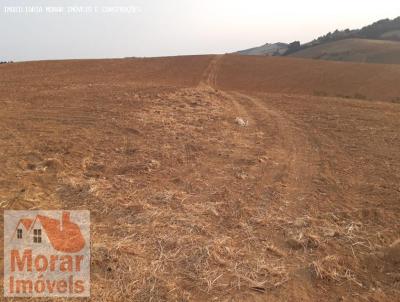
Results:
173 27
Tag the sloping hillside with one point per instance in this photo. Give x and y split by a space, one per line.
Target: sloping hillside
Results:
372 44
355 50
302 76
393 35
379 30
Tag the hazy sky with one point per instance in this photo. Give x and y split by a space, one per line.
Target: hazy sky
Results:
174 27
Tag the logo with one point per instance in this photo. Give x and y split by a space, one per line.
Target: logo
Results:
46 254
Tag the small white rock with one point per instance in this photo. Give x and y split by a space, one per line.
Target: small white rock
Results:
241 122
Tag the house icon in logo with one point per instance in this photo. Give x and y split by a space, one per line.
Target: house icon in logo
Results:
63 235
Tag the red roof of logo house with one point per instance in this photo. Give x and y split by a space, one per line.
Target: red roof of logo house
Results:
64 236
26 222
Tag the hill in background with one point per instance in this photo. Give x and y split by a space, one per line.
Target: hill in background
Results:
276 49
385 29
375 43
354 50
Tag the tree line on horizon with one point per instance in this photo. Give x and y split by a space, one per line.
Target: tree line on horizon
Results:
380 30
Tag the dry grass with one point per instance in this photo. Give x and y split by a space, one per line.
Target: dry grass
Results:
332 268
186 205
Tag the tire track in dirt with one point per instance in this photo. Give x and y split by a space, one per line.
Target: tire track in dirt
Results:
209 80
293 150
209 77
286 164
293 146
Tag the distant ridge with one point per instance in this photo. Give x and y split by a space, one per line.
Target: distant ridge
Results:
354 50
355 45
276 49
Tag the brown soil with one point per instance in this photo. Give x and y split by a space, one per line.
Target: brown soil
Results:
310 77
300 204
